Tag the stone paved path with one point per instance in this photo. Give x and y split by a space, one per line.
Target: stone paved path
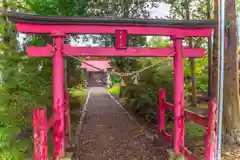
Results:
108 133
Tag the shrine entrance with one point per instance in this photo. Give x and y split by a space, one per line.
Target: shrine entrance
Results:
95 71
59 27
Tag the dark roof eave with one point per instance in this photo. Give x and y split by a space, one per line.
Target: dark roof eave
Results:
63 20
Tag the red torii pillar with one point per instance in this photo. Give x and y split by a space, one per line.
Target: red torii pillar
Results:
58 95
178 65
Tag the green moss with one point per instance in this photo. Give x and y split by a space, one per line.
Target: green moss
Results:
115 89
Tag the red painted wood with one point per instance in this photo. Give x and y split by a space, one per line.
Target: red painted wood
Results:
169 106
92 29
199 119
111 51
210 124
46 51
52 120
121 39
178 76
188 154
58 97
40 134
193 52
161 111
167 137
211 136
39 51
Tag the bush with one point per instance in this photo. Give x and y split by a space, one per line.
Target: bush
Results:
115 89
142 98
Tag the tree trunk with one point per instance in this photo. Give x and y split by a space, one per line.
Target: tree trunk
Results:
210 64
70 75
193 80
192 62
215 57
6 37
209 52
231 84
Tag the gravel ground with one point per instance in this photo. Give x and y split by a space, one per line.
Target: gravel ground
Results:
108 133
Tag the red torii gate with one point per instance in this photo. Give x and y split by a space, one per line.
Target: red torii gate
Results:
59 27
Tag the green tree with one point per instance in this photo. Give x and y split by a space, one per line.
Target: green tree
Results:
189 10
125 9
158 42
63 8
142 98
21 89
25 82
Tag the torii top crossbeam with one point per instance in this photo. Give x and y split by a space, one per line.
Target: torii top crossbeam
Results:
109 25
29 23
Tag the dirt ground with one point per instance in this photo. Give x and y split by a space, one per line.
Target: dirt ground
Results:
109 133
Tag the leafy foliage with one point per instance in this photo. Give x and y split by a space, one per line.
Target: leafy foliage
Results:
143 97
25 82
22 88
58 7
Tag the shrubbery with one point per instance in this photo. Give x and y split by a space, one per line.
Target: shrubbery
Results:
142 98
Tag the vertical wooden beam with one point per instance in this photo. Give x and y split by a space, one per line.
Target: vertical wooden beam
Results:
178 135
161 111
211 137
58 96
40 134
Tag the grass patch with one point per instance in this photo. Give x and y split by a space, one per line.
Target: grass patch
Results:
115 89
78 94
194 130
77 100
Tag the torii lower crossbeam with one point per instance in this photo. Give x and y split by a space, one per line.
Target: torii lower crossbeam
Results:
46 51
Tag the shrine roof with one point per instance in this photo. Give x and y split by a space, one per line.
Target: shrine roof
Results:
16 17
102 64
